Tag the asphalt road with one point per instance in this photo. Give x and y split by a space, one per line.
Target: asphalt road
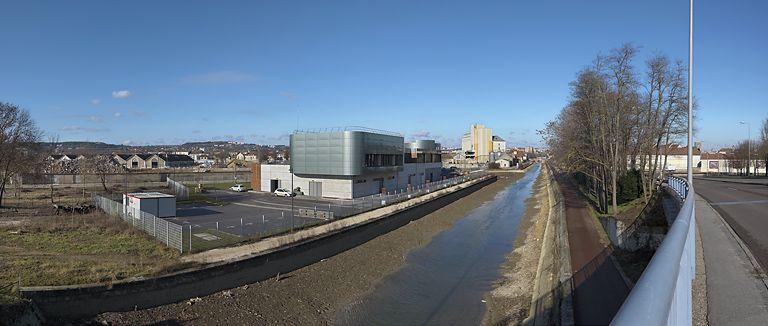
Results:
260 212
745 208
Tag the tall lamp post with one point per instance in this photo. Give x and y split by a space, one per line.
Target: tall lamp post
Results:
749 144
690 95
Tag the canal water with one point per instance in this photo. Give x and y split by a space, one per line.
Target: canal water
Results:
443 283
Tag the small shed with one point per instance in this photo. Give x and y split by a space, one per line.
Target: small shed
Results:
155 203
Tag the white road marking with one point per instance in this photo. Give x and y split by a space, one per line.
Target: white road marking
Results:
747 202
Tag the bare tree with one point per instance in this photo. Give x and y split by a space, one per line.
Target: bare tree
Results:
611 124
101 165
763 147
19 144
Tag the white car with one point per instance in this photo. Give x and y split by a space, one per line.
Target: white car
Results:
280 192
238 188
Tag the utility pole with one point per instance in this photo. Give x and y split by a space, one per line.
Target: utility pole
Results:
690 96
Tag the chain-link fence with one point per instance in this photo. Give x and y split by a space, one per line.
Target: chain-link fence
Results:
167 232
177 188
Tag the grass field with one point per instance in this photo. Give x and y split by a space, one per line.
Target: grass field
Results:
76 249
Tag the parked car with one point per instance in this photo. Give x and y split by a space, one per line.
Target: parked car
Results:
280 192
238 188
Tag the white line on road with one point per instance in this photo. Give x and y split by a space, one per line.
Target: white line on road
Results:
748 202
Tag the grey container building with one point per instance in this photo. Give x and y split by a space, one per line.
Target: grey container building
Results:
346 153
351 162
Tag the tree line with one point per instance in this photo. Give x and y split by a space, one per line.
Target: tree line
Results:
754 150
22 153
617 121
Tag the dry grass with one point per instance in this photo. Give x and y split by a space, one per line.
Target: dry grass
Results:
76 249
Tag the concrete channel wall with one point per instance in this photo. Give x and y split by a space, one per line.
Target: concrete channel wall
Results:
551 302
88 300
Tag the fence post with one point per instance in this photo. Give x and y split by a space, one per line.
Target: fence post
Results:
217 225
167 233
241 226
154 227
190 238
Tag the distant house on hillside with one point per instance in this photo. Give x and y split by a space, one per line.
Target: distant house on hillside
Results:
153 161
177 160
65 157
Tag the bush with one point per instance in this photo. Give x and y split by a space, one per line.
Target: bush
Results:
630 187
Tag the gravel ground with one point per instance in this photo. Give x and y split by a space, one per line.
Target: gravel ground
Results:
312 295
510 299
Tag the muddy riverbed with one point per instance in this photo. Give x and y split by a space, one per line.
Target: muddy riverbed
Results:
315 294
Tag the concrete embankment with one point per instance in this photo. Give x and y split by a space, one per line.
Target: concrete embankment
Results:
551 302
233 268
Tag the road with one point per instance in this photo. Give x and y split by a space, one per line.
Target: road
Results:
745 208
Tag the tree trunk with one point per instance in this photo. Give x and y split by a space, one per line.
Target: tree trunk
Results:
104 182
2 193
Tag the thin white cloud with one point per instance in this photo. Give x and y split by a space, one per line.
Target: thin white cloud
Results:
117 114
95 101
82 129
219 77
122 94
421 134
94 118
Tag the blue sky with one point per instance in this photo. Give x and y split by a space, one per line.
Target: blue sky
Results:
168 72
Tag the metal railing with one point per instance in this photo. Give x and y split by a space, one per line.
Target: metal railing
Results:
347 128
348 207
662 295
169 233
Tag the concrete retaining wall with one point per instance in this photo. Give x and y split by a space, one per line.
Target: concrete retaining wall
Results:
89 300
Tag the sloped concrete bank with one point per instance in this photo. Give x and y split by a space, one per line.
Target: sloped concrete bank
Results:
89 300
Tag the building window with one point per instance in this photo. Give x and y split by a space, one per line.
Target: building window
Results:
154 164
135 164
383 160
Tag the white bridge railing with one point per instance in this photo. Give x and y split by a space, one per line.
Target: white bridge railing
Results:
662 295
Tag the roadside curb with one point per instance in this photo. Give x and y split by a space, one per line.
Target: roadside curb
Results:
761 274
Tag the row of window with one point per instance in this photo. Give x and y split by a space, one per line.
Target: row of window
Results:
381 160
423 158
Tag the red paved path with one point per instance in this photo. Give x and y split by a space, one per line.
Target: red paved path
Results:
598 296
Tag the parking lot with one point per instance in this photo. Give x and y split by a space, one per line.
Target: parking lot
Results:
250 215
239 216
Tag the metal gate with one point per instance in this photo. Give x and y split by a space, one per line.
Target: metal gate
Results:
316 189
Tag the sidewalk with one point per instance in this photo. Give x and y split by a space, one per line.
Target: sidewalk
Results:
735 293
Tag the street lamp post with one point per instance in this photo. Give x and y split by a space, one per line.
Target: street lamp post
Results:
749 144
690 95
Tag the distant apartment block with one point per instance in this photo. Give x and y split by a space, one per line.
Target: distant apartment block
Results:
499 144
478 142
